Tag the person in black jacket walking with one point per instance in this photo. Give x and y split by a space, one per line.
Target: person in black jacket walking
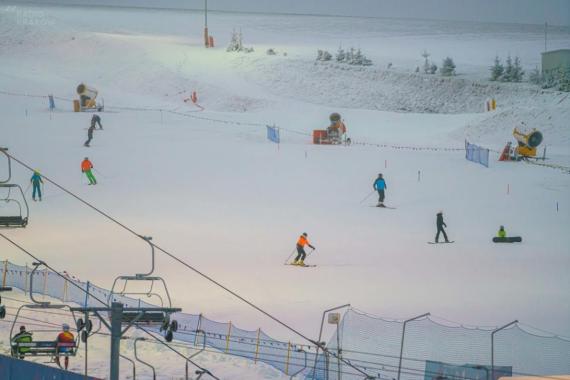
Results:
440 224
89 134
96 120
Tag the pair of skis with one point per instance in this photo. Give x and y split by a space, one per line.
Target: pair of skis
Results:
287 262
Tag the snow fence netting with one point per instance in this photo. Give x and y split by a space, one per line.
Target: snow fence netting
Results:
373 344
195 330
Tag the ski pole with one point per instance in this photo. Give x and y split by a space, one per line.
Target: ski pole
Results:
289 258
28 188
368 196
98 172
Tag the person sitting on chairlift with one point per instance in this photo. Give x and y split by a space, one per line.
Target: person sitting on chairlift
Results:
65 336
22 337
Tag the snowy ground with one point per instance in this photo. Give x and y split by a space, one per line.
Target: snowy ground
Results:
222 197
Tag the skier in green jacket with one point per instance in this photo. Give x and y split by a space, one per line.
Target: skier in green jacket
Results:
36 180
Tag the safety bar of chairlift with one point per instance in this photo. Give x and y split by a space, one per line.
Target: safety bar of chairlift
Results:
3 150
137 278
133 363
197 352
148 240
142 361
36 266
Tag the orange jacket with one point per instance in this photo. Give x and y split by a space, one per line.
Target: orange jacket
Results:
86 165
303 241
65 337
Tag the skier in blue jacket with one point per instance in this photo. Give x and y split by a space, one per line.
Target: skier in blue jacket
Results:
36 180
380 186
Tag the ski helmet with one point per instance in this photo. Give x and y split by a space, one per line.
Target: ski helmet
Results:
305 234
65 327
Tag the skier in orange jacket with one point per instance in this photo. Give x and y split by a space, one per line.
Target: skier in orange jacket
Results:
86 167
301 254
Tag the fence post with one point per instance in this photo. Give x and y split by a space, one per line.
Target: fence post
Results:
228 337
198 329
26 280
288 357
87 296
493 346
257 346
45 282
402 341
64 291
5 272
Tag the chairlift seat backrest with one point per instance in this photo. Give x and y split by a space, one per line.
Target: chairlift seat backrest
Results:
45 348
145 316
13 221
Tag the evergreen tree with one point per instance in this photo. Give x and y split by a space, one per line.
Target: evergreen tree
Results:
497 69
447 67
326 56
518 72
319 55
433 68
564 79
357 58
535 77
427 66
340 55
350 56
508 75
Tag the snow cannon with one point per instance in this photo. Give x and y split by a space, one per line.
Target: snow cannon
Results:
334 134
87 99
528 142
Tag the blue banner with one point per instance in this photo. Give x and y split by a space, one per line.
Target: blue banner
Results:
273 134
438 370
476 154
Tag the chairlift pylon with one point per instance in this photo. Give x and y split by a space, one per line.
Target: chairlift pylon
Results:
45 347
141 314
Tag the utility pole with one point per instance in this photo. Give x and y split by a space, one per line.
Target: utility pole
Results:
545 35
206 39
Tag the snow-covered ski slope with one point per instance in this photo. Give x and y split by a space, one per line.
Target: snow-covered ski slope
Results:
222 197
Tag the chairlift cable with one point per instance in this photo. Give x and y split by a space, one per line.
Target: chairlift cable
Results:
192 268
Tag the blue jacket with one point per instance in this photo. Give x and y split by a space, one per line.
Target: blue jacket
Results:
36 179
380 184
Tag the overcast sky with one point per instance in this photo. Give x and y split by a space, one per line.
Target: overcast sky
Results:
555 12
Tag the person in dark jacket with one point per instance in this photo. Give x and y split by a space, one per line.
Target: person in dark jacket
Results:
440 224
96 120
380 186
90 134
36 181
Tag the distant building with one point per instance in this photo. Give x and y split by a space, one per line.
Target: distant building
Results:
554 60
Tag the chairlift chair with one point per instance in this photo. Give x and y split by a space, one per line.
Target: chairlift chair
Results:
52 347
3 307
13 219
141 314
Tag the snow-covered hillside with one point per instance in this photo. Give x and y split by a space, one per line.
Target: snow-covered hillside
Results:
208 186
